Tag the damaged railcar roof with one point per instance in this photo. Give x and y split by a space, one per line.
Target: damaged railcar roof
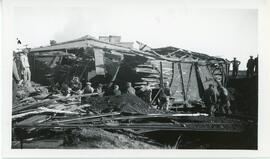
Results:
178 52
85 41
89 41
164 53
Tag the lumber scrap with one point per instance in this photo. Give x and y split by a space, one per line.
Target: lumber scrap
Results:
33 120
43 110
150 116
88 117
184 127
47 102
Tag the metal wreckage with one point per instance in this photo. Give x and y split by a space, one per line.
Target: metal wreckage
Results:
52 121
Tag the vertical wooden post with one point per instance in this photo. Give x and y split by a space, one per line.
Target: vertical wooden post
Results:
161 76
182 82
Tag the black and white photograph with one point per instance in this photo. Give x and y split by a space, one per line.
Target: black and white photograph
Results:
148 75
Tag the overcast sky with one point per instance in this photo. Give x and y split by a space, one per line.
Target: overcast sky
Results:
220 32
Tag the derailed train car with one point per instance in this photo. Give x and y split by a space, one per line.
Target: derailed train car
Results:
188 73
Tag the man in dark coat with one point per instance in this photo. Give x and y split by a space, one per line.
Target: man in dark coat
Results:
146 93
250 67
256 65
224 100
211 99
235 64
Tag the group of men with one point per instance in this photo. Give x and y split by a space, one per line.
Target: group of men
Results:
252 66
145 93
217 100
75 88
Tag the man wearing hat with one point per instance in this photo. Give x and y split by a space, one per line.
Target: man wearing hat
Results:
250 67
235 64
25 66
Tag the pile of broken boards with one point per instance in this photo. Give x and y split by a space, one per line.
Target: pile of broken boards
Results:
101 122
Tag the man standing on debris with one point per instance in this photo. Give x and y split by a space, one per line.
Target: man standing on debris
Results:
116 90
165 97
130 90
211 99
25 66
146 93
224 100
16 80
250 67
76 85
235 64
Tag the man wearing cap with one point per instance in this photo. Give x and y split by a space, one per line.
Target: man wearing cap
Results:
235 64
250 67
25 66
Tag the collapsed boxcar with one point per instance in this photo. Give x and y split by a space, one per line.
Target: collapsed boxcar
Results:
188 73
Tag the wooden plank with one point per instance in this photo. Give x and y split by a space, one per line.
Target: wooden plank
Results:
43 110
196 127
47 102
88 117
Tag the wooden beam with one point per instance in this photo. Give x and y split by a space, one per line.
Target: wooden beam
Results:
46 102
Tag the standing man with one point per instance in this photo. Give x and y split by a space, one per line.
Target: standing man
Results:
256 65
211 99
130 90
165 97
16 81
224 100
250 67
235 64
25 66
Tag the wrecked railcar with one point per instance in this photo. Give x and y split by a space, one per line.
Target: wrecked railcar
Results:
188 73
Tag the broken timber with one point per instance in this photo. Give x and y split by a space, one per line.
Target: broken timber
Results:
196 127
16 109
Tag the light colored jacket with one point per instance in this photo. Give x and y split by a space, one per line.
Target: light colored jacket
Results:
24 60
